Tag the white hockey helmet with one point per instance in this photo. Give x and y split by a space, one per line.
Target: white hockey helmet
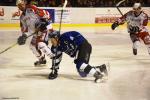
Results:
20 2
137 6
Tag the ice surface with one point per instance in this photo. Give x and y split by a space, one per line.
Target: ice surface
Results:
129 77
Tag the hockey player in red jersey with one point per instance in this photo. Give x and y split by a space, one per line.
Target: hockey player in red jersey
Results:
137 21
34 20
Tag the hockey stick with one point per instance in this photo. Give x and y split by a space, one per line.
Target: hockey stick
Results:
15 44
62 10
118 4
60 23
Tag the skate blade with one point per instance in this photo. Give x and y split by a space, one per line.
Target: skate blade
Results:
102 80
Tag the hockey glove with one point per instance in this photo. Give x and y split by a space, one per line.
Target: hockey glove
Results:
22 39
53 74
133 29
114 25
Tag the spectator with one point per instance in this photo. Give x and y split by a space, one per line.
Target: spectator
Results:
51 3
78 3
34 2
110 3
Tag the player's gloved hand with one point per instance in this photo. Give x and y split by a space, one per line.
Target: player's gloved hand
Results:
134 29
53 74
22 39
114 25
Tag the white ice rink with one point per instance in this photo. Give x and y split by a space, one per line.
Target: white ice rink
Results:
129 77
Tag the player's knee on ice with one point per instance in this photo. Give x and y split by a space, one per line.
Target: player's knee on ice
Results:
84 69
78 65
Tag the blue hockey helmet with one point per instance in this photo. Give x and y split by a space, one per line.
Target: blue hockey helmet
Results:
54 34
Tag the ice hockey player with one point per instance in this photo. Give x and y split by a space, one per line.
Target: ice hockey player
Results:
74 44
137 21
34 20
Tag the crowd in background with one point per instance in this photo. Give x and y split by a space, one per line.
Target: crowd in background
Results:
78 3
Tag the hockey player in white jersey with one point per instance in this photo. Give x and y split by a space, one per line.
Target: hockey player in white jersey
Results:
137 21
34 20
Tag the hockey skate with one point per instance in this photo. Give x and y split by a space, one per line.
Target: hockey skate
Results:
103 69
42 61
53 74
98 77
134 51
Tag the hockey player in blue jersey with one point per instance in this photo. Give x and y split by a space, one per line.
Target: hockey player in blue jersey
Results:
74 44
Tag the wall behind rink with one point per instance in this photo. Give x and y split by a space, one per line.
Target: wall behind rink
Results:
70 15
